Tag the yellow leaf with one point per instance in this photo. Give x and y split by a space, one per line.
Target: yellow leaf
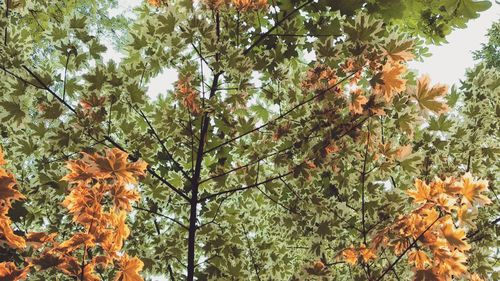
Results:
419 258
350 256
392 82
455 237
431 98
357 101
471 190
466 216
421 193
129 269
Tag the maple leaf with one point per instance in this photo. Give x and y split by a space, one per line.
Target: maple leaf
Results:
76 241
7 191
419 258
471 190
455 237
367 253
421 193
48 260
129 269
37 239
114 164
428 98
466 216
83 203
122 197
81 171
357 101
452 263
14 241
350 256
155 3
10 272
72 267
399 50
392 82
122 231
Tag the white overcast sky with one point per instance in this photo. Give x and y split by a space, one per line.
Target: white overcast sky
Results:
449 61
446 65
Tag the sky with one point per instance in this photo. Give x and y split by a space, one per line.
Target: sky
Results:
449 61
447 64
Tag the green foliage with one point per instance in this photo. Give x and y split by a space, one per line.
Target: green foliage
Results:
270 200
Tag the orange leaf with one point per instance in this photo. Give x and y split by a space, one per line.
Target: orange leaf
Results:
9 272
350 256
13 240
123 197
48 260
419 258
392 82
427 275
37 239
367 253
129 269
76 241
421 193
357 101
472 189
455 237
2 159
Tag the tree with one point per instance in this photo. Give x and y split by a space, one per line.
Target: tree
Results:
291 140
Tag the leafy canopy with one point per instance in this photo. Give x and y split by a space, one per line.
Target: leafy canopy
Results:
294 145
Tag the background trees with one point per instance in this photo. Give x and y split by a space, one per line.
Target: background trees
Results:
292 133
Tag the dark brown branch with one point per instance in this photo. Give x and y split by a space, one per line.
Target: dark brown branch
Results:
195 182
20 78
39 80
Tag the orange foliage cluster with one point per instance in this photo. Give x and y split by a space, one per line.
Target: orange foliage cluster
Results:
387 68
7 195
188 95
438 249
96 179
